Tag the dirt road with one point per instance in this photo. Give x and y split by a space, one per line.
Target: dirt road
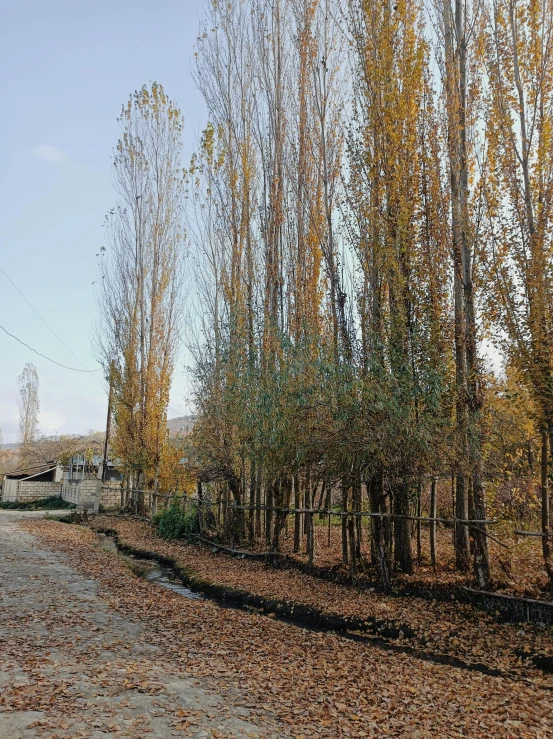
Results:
72 667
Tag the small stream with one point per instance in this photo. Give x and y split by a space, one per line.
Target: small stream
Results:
148 569
165 576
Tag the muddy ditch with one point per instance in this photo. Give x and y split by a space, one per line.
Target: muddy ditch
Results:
376 632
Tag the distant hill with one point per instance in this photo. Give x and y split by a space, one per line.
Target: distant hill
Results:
181 425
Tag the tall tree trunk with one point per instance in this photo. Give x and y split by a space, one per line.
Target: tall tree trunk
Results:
253 482
258 505
358 506
352 552
379 548
403 557
345 551
269 502
546 540
297 516
462 551
419 523
455 84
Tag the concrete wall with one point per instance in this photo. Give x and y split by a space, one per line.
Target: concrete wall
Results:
110 495
9 490
31 490
88 494
26 490
85 493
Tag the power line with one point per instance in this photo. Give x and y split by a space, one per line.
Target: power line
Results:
180 413
73 369
44 322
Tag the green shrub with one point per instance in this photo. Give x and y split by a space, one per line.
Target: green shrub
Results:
46 504
174 524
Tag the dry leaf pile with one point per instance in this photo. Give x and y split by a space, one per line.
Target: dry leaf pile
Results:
318 684
518 570
440 628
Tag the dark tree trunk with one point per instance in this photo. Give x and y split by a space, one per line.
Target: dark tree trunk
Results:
345 553
357 505
462 552
269 503
297 516
481 556
403 557
352 557
433 523
251 512
419 523
311 540
238 522
258 505
546 541
379 547
471 516
284 493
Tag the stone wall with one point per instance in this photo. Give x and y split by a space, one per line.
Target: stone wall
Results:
110 495
31 490
84 493
25 490
88 493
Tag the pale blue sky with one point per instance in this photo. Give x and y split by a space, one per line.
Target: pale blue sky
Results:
68 67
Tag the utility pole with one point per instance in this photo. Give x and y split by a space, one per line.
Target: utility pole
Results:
108 423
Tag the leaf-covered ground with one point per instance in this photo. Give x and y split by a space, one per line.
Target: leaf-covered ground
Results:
516 568
320 684
71 666
440 628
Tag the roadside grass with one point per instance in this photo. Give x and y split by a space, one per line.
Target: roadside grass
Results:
52 503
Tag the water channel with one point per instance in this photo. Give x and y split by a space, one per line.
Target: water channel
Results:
165 577
149 569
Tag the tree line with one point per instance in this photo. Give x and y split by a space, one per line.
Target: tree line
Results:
368 209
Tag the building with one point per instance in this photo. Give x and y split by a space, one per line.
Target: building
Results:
32 483
80 467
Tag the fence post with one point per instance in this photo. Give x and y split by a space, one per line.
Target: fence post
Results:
310 538
351 530
433 523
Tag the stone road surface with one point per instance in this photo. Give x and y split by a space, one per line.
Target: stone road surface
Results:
71 667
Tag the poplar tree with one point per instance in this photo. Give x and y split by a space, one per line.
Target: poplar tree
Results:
29 405
519 192
140 299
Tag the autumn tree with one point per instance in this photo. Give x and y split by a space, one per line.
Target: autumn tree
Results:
29 406
519 192
336 212
140 299
282 386
397 204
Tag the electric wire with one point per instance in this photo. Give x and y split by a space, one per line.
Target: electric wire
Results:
73 369
179 413
31 306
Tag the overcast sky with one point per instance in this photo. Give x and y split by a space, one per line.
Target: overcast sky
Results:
68 68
